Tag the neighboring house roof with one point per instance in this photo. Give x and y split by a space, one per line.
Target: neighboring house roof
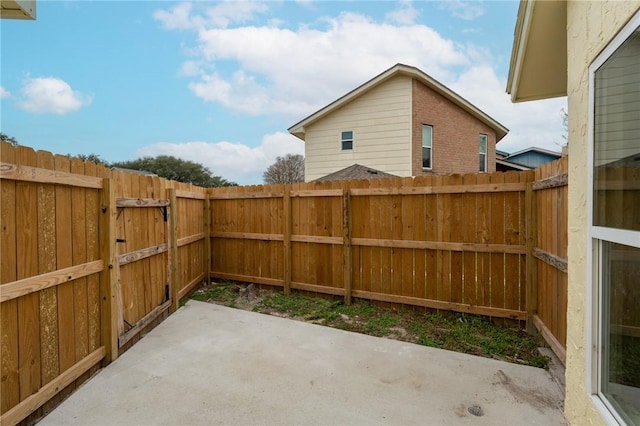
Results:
299 130
355 172
538 68
508 165
529 158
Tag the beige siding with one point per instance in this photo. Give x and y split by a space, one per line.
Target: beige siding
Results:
381 124
590 27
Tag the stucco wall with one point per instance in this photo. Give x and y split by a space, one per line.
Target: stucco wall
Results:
590 27
456 135
381 124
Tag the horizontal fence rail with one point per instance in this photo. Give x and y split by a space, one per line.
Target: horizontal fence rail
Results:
93 257
465 235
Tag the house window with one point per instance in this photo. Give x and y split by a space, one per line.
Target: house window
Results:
427 146
347 141
615 225
483 153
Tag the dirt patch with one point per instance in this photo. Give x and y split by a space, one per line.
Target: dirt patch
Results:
457 332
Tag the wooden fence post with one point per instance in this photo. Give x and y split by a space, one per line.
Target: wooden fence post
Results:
346 248
287 239
173 250
108 293
207 240
531 262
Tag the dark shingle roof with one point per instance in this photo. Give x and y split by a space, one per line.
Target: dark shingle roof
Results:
355 172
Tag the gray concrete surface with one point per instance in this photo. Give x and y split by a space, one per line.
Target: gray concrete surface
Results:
208 364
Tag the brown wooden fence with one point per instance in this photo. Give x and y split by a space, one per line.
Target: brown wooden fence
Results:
91 257
551 254
445 242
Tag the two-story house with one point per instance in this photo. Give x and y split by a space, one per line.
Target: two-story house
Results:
401 122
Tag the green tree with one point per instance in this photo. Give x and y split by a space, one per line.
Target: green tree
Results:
6 138
287 169
95 158
173 168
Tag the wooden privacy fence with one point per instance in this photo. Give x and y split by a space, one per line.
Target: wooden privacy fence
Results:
89 257
446 242
550 317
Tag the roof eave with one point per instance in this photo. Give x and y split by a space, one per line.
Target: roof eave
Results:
538 68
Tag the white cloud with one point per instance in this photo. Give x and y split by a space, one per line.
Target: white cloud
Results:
406 14
50 95
223 14
530 123
294 72
466 10
233 161
291 72
4 93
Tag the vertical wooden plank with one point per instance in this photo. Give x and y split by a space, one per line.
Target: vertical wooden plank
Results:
208 247
431 233
416 215
109 311
79 256
27 266
47 263
532 281
396 285
469 259
512 236
407 266
483 236
64 256
457 224
9 356
346 237
376 224
287 239
149 283
443 258
497 237
173 248
93 253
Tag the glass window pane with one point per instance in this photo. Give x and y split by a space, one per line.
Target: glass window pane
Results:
483 144
621 329
483 163
347 135
427 136
426 157
616 183
347 145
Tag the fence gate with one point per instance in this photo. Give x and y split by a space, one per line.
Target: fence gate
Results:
143 271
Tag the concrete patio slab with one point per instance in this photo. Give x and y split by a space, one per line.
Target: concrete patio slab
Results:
208 364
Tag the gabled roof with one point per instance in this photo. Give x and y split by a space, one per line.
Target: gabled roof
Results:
535 149
511 166
299 130
538 68
355 171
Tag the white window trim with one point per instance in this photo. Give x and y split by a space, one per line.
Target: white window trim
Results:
353 138
596 234
486 153
422 146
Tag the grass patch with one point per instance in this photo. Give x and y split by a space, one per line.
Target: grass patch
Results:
457 332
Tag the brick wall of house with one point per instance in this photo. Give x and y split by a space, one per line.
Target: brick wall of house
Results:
456 135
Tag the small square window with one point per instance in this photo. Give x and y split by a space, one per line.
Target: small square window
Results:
347 140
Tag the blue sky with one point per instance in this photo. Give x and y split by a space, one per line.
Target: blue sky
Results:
220 82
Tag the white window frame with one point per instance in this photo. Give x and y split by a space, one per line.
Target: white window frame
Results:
486 151
430 148
595 236
343 140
